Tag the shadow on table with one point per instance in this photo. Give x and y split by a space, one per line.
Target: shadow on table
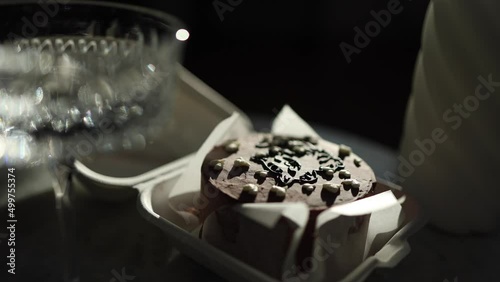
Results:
114 242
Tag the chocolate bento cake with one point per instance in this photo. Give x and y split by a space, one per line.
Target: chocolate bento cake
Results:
266 168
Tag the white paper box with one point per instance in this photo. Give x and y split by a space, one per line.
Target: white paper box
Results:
152 205
379 242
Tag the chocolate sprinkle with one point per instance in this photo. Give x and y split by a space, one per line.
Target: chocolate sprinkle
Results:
344 174
344 151
232 147
332 188
287 151
251 189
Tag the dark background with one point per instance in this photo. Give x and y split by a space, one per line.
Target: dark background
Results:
264 54
268 53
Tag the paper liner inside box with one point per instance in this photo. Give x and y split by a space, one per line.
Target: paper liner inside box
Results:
263 235
337 250
183 195
382 213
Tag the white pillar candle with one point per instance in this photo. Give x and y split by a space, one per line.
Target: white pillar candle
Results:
449 153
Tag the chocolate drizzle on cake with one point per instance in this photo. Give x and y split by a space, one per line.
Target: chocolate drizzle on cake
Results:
287 151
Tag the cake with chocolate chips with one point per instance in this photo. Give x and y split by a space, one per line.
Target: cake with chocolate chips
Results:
265 168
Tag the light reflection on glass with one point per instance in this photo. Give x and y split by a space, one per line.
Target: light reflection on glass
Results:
182 35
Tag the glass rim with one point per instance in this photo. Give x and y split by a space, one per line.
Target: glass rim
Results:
170 20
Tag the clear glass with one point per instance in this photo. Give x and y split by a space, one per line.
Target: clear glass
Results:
79 79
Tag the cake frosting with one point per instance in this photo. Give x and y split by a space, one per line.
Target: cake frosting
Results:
265 168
